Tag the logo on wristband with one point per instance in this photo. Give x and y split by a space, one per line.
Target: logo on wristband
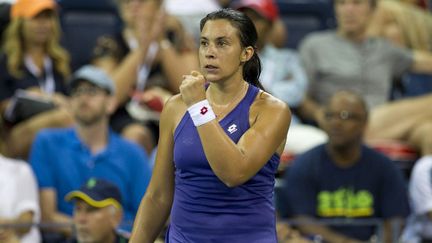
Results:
203 110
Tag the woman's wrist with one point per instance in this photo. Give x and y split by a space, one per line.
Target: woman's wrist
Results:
201 113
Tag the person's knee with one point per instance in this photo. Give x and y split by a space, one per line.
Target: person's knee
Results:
421 137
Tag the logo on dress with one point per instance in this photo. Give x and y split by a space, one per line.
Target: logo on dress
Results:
204 110
233 128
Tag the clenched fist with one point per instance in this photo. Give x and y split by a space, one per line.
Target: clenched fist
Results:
192 88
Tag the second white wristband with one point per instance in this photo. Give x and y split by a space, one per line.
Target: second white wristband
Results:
201 113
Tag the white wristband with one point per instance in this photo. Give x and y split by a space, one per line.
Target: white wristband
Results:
201 113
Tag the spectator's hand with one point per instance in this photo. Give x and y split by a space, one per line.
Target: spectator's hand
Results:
57 98
286 234
150 23
149 99
192 88
7 235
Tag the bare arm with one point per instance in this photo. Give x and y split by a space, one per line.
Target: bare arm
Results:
156 203
390 226
422 62
251 153
328 234
310 110
50 213
175 64
21 136
125 75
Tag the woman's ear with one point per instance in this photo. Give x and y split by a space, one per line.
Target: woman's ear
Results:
247 54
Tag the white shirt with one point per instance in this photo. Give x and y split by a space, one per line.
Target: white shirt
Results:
420 191
19 194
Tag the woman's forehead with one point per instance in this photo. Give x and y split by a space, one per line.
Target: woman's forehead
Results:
220 28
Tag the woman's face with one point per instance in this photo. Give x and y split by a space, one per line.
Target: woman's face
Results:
220 52
38 30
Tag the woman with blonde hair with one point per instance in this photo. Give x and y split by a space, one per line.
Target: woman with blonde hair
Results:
33 61
408 26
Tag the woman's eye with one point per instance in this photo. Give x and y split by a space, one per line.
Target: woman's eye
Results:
222 43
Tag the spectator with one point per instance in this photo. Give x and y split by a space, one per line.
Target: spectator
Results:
63 159
419 225
19 204
406 26
282 74
97 212
348 59
344 179
32 59
157 46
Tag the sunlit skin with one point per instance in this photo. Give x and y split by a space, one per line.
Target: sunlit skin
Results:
89 103
352 17
130 10
220 53
38 30
94 225
393 32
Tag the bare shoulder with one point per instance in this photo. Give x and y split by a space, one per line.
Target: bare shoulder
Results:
173 111
267 105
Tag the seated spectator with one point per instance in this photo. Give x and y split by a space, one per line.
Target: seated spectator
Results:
19 204
406 26
64 158
348 59
32 59
97 212
282 74
344 179
419 225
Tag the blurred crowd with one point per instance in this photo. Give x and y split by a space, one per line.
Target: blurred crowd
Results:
79 127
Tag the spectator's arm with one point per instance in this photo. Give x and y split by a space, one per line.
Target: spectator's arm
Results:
175 64
27 206
311 110
125 75
389 228
23 218
329 235
422 62
22 134
50 214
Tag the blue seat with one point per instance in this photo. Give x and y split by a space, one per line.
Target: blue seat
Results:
304 16
83 22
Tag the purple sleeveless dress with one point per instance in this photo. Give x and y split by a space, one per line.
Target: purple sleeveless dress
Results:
205 209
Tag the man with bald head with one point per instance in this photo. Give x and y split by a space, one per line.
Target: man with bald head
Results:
344 179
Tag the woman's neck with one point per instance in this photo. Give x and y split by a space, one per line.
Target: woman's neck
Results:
37 54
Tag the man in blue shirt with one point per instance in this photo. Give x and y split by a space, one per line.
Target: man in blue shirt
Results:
63 159
343 179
